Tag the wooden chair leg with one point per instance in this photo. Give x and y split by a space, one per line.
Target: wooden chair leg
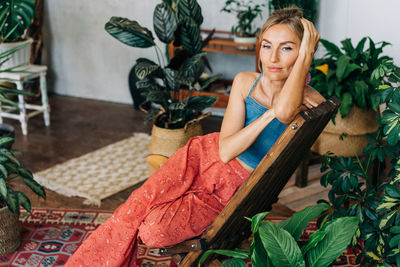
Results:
302 171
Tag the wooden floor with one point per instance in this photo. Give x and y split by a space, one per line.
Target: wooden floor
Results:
79 126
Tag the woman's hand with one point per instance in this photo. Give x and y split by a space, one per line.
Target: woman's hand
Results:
310 38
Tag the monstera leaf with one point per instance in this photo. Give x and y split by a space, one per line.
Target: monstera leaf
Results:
191 9
16 16
129 32
164 22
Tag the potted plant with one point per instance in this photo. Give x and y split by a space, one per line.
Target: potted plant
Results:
346 73
359 188
15 17
309 7
246 12
170 87
278 244
11 171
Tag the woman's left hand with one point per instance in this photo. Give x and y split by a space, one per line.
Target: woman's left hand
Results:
310 38
312 99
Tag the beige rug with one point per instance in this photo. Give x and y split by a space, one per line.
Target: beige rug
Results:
101 173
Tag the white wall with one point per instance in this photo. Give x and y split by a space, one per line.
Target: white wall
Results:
85 61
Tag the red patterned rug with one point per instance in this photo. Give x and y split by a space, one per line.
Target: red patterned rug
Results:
50 237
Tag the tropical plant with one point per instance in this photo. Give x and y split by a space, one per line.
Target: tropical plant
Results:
15 17
278 244
170 86
11 171
246 12
358 190
309 7
346 73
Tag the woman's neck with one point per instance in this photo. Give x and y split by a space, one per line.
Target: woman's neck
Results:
271 88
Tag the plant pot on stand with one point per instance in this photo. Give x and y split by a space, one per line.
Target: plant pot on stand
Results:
356 125
19 57
250 41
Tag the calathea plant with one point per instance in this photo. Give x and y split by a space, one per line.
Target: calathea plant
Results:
278 244
346 73
170 86
359 191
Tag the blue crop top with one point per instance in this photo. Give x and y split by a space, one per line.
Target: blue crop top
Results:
256 152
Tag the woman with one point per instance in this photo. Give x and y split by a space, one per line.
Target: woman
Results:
183 197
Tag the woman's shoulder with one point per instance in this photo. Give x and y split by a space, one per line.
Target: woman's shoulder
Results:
244 80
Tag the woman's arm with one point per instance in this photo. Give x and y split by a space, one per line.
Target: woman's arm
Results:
290 99
234 138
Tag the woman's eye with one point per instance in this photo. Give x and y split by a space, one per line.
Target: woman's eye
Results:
287 48
266 46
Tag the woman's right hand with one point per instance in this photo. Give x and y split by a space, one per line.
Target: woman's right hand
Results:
310 39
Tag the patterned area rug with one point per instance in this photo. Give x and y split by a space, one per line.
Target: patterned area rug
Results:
101 173
50 237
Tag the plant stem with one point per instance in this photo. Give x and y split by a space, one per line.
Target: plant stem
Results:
359 162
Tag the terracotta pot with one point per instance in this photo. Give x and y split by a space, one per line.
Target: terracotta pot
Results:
356 124
10 231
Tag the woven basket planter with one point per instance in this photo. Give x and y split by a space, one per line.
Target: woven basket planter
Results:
10 231
356 124
166 142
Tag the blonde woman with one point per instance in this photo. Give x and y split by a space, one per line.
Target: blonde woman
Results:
183 197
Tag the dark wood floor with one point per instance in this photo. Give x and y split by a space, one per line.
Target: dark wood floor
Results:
79 126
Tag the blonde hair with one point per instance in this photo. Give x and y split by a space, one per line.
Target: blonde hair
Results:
289 16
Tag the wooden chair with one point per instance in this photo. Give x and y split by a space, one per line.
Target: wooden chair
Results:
261 189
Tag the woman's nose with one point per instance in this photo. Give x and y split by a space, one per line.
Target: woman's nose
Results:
274 56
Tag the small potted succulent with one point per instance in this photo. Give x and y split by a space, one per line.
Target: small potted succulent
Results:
246 12
16 16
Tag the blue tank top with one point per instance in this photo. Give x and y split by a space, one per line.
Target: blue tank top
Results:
256 152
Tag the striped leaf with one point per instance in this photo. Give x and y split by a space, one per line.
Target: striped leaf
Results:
3 189
191 9
145 68
129 32
24 201
12 200
190 35
194 66
164 22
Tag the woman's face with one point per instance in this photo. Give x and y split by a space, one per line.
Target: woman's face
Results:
278 52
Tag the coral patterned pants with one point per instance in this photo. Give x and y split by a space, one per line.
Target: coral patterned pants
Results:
179 201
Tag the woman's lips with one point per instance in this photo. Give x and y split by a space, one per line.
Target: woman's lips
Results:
274 69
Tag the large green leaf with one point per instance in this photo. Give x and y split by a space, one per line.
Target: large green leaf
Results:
35 187
332 49
171 77
201 102
280 246
237 254
315 238
190 35
300 219
194 66
129 32
24 201
164 22
6 140
24 172
12 200
19 16
3 188
145 68
189 9
347 103
339 234
258 255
